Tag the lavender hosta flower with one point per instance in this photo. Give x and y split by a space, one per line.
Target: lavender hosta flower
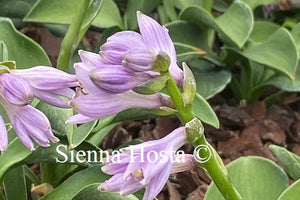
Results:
95 106
16 90
3 135
28 122
138 166
49 83
115 78
138 51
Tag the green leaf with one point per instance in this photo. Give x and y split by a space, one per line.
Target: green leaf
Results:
14 154
58 117
21 48
278 52
62 12
238 14
254 3
185 33
181 4
93 194
289 160
16 8
109 15
296 35
55 173
81 132
254 178
285 83
76 183
34 179
262 31
204 112
133 6
292 193
206 76
97 137
15 179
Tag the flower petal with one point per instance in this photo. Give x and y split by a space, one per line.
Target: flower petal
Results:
3 135
56 79
90 58
16 90
80 119
157 183
156 38
118 44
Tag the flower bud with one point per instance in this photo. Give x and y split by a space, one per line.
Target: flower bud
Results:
138 60
189 85
161 62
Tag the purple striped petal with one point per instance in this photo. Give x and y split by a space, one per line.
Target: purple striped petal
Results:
16 90
37 76
100 106
90 58
156 38
83 75
29 122
80 119
118 44
53 98
138 60
3 135
157 183
116 79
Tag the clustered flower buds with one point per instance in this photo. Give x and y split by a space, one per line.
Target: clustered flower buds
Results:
129 72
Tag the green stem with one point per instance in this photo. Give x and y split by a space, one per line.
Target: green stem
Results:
184 112
69 41
214 166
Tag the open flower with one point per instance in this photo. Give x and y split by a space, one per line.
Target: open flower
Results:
28 122
49 84
146 165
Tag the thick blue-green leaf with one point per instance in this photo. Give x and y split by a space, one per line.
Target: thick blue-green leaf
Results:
204 112
57 117
292 193
262 31
15 179
94 194
296 35
254 178
80 133
238 14
76 183
62 12
285 83
278 52
206 76
15 8
133 6
15 153
254 3
289 160
21 48
186 33
55 173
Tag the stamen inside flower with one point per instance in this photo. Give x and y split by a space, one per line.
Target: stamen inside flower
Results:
138 174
